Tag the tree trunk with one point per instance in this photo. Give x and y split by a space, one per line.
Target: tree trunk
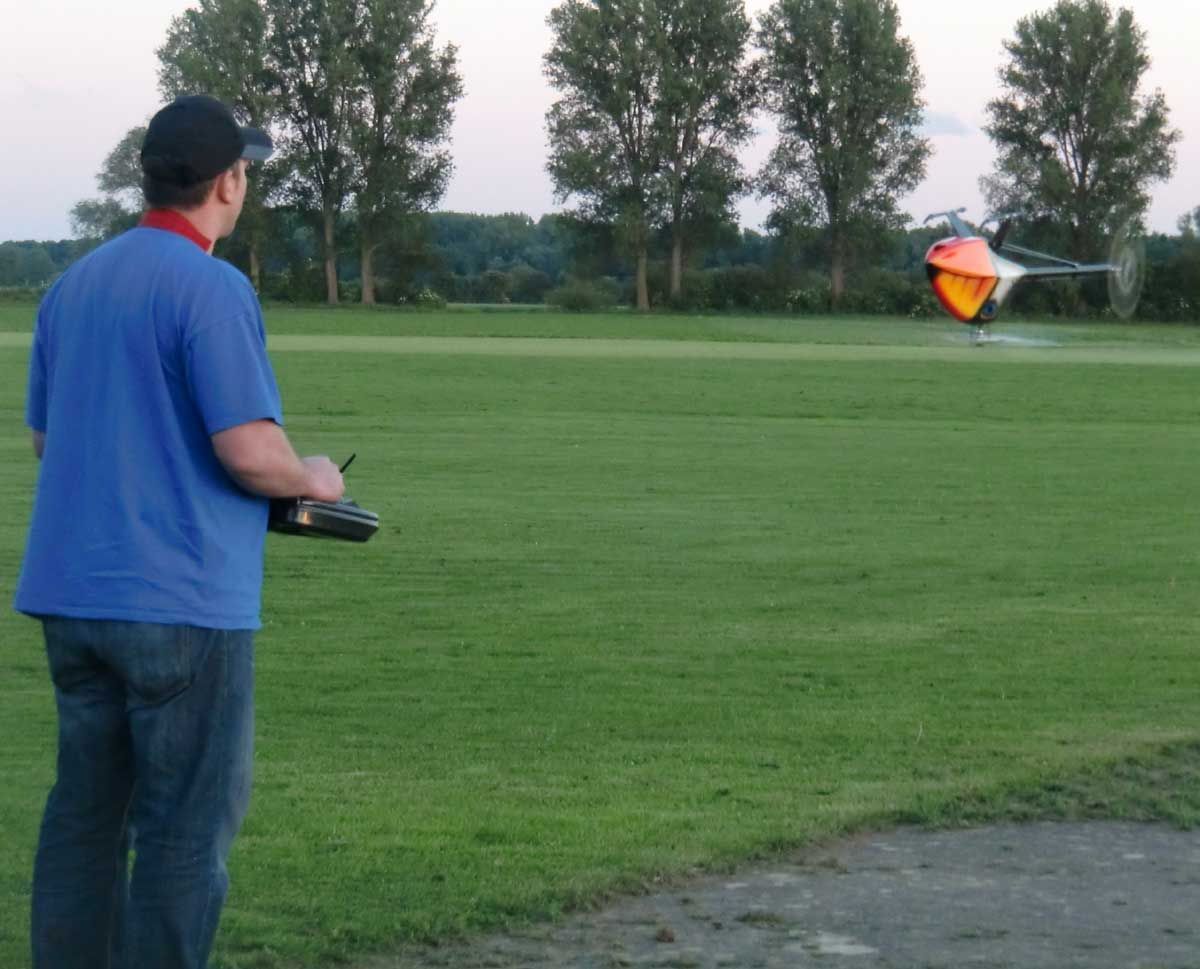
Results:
331 280
1079 242
367 264
837 270
677 232
677 265
255 266
643 290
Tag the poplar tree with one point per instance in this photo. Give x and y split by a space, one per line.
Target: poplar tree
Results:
1077 142
400 120
604 150
120 179
845 89
220 47
314 78
705 99
655 97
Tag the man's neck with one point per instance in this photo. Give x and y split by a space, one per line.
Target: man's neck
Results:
200 225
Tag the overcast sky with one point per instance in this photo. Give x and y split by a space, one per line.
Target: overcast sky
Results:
75 75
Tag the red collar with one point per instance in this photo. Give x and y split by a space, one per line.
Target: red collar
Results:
171 221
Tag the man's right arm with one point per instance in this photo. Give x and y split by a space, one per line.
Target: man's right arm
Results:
260 458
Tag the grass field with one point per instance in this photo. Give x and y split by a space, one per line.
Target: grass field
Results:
636 609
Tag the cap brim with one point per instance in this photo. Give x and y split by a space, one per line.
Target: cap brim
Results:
258 145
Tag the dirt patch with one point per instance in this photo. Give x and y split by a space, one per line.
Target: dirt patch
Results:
1052 895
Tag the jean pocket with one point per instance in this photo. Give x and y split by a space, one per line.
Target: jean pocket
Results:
156 662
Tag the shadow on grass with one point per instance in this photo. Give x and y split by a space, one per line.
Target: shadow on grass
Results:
1161 784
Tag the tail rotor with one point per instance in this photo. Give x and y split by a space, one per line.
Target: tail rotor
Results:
1126 270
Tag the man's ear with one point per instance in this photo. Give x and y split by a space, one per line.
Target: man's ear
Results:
227 183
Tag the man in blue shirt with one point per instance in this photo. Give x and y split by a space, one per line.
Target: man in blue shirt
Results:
157 419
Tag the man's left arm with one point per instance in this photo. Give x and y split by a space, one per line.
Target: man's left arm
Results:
35 398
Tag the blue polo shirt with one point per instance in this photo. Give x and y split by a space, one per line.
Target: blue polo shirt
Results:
143 350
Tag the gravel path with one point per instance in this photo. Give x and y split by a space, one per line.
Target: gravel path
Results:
1039 896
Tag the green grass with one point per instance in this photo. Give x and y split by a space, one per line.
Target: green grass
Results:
474 321
631 614
17 317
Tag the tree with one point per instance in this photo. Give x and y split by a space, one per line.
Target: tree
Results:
314 76
121 174
1189 224
845 90
400 121
26 264
220 48
604 150
39 267
705 97
11 265
101 219
655 100
120 179
1077 144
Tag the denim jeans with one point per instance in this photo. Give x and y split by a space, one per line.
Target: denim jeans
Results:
155 745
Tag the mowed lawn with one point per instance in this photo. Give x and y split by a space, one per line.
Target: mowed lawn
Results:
634 613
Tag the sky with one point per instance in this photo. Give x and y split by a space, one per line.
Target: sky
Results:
75 75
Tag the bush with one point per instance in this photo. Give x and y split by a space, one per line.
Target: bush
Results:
296 285
1172 290
426 299
697 292
493 287
808 294
528 285
925 305
888 293
745 287
723 289
22 294
581 296
870 291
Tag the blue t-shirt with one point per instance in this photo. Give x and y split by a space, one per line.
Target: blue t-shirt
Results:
143 350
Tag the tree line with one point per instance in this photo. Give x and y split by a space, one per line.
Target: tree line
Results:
654 100
358 98
465 258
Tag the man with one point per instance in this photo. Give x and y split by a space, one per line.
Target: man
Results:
156 416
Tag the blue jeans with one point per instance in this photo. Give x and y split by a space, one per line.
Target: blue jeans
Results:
155 746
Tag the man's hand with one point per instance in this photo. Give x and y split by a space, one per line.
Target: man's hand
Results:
259 457
325 480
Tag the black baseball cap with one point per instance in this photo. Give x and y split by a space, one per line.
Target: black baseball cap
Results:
195 138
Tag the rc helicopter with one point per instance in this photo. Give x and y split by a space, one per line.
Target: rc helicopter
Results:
972 277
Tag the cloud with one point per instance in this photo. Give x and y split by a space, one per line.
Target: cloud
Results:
943 123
